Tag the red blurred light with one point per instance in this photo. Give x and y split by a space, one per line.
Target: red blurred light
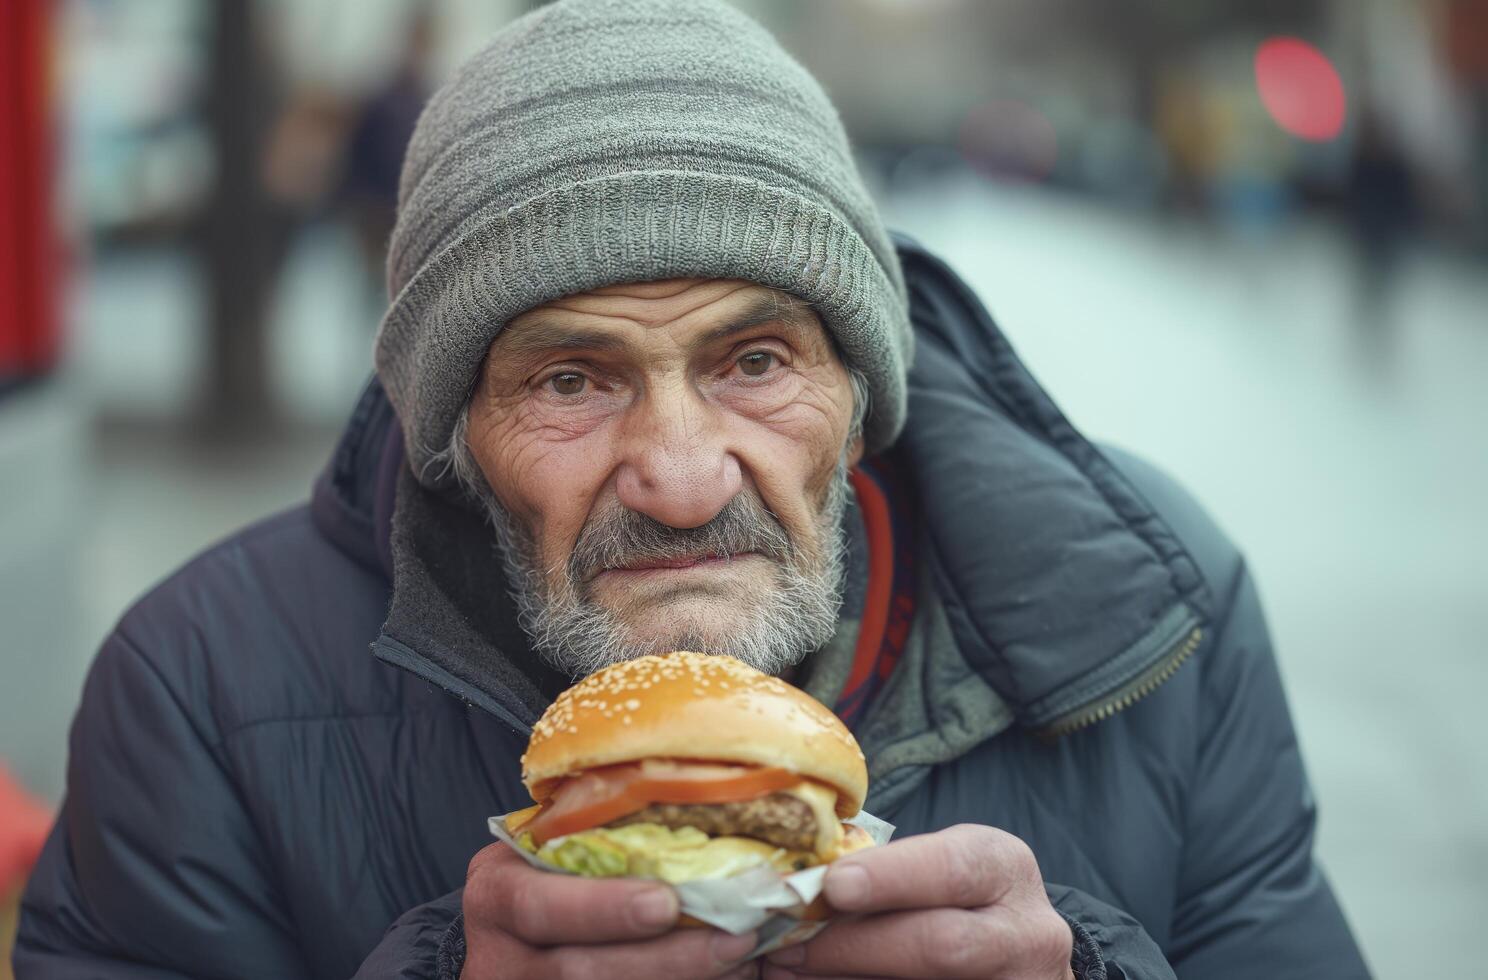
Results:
1300 88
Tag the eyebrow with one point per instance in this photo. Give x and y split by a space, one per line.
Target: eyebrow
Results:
547 330
762 309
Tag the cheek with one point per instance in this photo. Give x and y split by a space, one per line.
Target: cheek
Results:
528 442
548 476
808 409
806 418
556 420
791 451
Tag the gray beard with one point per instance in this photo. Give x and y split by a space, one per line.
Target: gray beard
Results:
779 624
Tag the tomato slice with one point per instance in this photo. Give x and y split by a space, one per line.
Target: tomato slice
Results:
596 797
585 801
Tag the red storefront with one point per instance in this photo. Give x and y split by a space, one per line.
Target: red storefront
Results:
29 330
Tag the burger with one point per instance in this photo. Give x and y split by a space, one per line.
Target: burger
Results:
688 766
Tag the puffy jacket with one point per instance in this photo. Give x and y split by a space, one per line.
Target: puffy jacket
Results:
252 793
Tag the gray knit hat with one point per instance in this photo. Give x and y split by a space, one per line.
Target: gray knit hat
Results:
595 142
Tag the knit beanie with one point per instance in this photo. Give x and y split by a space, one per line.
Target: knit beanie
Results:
597 142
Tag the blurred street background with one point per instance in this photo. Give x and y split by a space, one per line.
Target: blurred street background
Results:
1245 238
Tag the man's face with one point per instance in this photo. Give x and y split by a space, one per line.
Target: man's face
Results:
669 464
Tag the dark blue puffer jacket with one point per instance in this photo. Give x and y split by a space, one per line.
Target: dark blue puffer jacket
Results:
252 794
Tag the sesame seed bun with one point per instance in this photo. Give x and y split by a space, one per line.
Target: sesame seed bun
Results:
693 706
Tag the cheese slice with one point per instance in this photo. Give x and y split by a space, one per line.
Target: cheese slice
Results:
518 819
823 804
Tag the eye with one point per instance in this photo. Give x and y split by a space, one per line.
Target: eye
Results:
756 363
568 383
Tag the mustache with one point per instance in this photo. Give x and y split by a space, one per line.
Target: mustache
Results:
621 537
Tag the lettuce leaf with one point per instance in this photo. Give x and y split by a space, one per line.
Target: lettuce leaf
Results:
647 850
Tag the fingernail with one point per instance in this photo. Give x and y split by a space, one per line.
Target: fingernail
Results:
788 956
657 907
727 947
847 887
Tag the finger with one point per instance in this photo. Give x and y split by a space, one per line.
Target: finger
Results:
690 953
779 973
745 971
936 943
966 866
933 943
687 954
541 908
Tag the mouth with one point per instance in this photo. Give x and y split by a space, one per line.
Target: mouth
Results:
681 562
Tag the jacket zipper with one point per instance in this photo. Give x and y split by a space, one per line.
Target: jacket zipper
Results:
1129 693
398 654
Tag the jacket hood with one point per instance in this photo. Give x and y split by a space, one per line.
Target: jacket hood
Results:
1063 588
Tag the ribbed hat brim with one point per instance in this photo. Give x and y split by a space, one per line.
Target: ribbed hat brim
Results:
633 227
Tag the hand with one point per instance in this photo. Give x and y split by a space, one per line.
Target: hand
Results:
522 922
968 901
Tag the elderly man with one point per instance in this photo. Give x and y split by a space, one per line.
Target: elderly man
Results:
645 384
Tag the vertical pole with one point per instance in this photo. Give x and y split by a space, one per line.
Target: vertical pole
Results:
237 230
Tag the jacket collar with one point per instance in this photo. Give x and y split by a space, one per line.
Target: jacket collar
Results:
1064 590
450 620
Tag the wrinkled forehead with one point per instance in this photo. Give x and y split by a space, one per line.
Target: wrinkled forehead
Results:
694 312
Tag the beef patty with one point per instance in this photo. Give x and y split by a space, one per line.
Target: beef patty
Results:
778 819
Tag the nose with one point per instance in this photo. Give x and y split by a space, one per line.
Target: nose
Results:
675 465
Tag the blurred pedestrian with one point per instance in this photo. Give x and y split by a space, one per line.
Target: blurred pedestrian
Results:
379 135
1384 212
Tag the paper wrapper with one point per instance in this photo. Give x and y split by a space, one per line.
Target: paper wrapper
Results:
760 899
